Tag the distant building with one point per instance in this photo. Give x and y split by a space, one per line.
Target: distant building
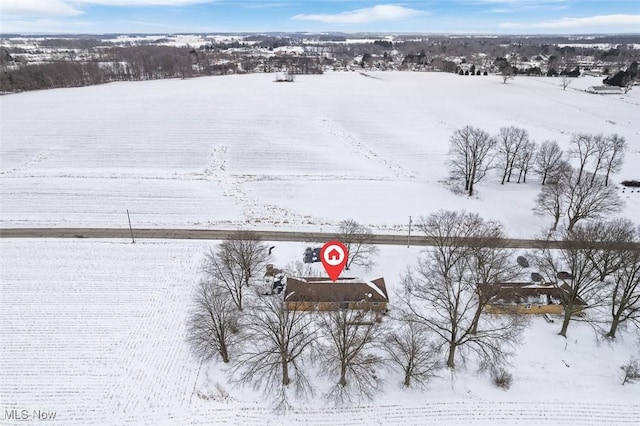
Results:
526 298
322 294
606 90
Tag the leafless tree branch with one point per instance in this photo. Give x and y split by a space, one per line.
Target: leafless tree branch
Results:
350 336
278 343
358 240
409 347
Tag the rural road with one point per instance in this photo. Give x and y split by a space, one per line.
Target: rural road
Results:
218 234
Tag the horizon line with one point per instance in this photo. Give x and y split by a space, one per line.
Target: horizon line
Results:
409 33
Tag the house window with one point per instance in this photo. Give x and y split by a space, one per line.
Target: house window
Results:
376 303
344 305
527 306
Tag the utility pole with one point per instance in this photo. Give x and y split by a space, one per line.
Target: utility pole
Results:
130 229
409 236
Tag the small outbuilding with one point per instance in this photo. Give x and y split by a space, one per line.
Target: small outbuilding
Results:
605 90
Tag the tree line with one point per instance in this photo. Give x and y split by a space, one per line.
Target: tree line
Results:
114 64
604 267
98 61
137 63
577 192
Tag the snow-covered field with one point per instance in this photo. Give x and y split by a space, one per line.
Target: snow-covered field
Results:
91 335
243 151
94 330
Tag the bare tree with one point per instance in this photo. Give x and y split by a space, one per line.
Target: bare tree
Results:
600 155
525 154
584 284
589 198
565 82
221 269
350 337
410 348
488 263
577 198
470 149
249 252
441 293
300 269
613 162
625 294
278 340
609 240
212 326
507 74
548 162
508 143
552 201
584 146
359 242
235 262
616 262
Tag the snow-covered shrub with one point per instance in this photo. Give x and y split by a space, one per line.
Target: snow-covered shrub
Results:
631 371
501 378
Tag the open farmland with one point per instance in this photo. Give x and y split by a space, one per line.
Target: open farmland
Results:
90 335
243 151
94 330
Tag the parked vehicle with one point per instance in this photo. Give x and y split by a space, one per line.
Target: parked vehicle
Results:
311 255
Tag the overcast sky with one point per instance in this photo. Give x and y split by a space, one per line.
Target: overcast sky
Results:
420 16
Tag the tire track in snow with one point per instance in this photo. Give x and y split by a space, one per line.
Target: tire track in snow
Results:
253 210
42 156
359 147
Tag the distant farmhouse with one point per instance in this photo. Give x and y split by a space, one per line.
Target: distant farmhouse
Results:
526 298
606 90
322 294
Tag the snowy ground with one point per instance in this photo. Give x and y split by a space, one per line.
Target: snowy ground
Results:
91 335
223 152
94 330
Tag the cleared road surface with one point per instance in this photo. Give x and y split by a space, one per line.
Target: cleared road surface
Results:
219 234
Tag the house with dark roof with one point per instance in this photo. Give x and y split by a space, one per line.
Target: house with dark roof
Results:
322 294
526 298
605 90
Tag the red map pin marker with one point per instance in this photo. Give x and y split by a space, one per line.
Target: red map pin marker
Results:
334 258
